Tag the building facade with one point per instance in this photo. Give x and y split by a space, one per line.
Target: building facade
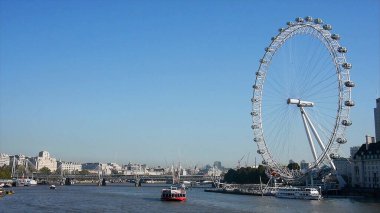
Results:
44 160
20 160
69 167
366 166
343 168
134 169
93 168
376 112
304 165
98 168
4 160
156 171
115 168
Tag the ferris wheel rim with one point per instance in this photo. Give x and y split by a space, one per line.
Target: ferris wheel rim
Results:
311 27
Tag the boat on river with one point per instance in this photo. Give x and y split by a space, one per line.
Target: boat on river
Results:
298 193
30 182
52 187
173 194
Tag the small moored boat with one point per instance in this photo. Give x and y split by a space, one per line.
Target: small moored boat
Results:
9 192
52 186
173 194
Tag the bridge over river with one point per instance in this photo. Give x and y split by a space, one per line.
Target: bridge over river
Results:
117 178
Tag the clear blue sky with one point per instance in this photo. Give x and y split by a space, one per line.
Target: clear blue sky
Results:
157 81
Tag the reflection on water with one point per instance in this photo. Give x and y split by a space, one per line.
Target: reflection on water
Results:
126 198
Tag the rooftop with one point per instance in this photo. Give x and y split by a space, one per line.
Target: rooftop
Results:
373 148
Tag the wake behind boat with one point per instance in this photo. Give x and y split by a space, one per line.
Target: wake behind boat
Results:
173 194
298 193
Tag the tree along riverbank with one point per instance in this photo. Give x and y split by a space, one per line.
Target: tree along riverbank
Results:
246 175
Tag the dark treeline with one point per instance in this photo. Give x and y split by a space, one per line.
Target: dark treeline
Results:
246 175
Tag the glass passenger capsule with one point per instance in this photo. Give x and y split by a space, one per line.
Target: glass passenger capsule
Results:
327 27
341 140
334 156
346 65
318 21
254 100
342 49
257 139
289 23
308 18
254 113
299 20
260 73
255 126
260 151
349 103
346 123
335 36
349 84
267 49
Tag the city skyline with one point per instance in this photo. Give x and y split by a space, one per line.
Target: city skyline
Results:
45 159
157 82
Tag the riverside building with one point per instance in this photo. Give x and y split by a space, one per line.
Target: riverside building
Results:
343 168
4 159
366 165
19 160
44 160
69 167
134 169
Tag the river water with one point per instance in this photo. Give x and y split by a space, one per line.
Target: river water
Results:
127 198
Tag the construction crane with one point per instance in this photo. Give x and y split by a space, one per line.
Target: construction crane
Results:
238 164
246 162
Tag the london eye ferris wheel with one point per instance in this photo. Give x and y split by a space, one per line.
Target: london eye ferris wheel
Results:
302 98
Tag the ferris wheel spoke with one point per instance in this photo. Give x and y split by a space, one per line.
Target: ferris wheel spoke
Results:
323 84
312 71
320 95
277 86
319 73
284 125
320 82
324 78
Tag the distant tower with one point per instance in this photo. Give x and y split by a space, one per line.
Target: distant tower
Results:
354 150
377 119
218 164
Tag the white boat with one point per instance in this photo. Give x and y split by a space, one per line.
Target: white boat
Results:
52 187
30 182
298 193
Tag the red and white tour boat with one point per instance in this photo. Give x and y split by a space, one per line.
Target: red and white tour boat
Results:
173 194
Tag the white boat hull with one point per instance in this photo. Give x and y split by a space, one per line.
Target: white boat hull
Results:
298 193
